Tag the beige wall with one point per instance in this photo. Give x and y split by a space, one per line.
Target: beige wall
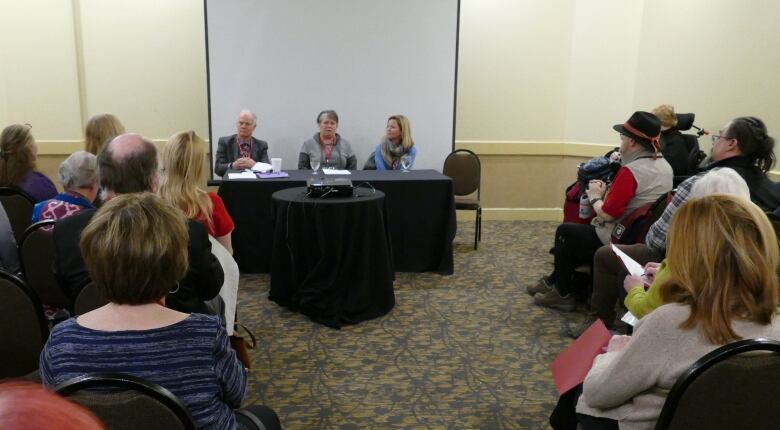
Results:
540 83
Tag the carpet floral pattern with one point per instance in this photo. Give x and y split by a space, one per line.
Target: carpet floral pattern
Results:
467 351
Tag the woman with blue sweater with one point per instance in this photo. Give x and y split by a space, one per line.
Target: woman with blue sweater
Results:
396 151
135 249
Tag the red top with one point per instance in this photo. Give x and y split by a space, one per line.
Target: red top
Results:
620 193
222 224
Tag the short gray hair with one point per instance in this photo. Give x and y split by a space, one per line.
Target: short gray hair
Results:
247 111
722 181
78 171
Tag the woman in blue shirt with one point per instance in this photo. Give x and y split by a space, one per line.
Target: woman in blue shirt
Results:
396 151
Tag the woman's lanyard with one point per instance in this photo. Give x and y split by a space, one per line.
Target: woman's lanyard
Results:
327 150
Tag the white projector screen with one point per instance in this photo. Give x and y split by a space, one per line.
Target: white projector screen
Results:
287 60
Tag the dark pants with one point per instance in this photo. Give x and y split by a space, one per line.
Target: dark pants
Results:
264 414
575 245
565 417
608 275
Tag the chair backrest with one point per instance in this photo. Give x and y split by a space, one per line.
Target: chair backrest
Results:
727 390
23 328
18 206
128 402
89 299
633 227
36 255
465 169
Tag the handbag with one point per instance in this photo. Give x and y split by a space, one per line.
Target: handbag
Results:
242 345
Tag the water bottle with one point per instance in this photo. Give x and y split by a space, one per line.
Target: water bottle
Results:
586 209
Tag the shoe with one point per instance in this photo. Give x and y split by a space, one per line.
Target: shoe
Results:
575 329
552 299
541 287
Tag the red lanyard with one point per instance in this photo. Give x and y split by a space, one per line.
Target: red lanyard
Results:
327 150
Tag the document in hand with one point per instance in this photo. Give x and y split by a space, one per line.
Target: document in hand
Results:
635 269
262 167
570 367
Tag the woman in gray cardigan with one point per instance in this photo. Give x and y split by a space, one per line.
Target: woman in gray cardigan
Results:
327 149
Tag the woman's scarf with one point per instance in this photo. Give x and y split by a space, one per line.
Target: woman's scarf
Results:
391 153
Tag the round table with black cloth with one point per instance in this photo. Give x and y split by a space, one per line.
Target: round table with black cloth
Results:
331 256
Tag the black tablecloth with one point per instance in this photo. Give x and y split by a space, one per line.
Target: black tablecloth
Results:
420 209
331 257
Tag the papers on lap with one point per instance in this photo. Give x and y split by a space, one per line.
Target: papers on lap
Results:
571 366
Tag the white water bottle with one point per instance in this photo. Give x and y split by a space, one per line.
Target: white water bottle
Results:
586 209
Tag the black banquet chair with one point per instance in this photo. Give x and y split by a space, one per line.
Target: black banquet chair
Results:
727 389
465 169
23 328
126 402
36 255
18 206
88 299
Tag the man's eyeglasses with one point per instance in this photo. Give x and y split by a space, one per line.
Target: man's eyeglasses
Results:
715 137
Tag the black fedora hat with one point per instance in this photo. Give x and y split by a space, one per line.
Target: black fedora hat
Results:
643 127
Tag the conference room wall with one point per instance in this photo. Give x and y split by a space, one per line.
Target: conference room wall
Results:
532 62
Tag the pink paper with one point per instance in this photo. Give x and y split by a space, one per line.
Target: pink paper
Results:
571 366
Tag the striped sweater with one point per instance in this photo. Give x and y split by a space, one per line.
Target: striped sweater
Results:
192 359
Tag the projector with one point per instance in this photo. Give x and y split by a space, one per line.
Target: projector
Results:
329 187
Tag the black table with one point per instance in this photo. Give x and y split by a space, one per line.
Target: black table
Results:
331 256
420 208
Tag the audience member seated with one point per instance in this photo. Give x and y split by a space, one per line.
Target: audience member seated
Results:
30 406
673 144
100 129
183 160
241 150
723 260
9 254
135 249
18 154
327 149
128 164
743 145
641 302
643 177
396 144
78 176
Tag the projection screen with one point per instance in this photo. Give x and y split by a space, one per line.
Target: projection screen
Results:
287 60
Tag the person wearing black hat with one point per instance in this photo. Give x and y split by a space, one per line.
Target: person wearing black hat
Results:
643 177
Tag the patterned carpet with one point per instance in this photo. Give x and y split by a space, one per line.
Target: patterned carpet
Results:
468 351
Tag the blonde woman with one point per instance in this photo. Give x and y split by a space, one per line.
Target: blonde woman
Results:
723 258
183 161
396 144
100 129
18 154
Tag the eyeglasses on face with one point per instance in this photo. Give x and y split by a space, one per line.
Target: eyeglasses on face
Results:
715 137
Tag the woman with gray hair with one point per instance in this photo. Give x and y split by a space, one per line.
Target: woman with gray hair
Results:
327 149
78 176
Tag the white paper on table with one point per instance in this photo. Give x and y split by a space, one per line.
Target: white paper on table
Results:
630 319
229 290
262 167
631 265
335 172
246 174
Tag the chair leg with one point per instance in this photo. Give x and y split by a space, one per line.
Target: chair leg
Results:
476 229
479 216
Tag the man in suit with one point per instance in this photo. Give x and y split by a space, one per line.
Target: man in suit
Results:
241 150
128 164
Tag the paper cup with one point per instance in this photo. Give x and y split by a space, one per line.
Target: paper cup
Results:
276 165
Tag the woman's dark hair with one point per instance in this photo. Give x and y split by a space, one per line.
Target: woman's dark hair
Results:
753 141
329 114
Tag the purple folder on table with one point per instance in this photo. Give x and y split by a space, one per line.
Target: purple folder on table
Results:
272 175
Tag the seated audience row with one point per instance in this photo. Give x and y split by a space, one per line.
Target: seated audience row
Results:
325 149
743 145
723 285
